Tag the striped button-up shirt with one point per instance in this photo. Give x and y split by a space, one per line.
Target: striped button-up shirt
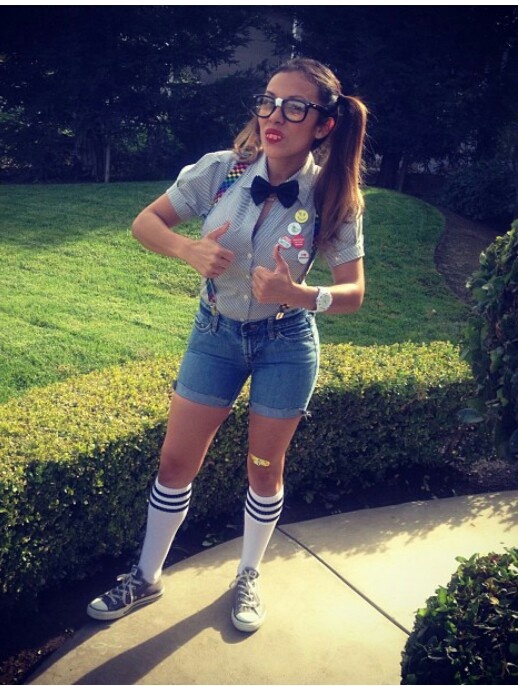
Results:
192 195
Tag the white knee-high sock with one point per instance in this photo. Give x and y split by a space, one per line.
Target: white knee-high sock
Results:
261 515
166 511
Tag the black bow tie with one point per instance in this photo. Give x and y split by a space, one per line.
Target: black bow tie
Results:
286 192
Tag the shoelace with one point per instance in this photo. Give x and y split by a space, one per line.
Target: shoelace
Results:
246 592
127 584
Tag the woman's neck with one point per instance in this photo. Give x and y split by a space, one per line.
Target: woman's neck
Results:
279 170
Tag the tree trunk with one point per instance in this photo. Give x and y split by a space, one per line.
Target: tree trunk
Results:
388 174
403 168
107 161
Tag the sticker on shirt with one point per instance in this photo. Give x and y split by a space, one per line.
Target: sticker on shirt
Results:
301 216
298 241
303 257
284 242
294 229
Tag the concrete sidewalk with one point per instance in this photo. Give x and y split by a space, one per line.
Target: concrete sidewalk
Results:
341 595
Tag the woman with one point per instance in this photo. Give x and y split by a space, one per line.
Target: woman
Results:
267 207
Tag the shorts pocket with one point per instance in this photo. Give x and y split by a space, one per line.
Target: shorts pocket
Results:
203 321
300 329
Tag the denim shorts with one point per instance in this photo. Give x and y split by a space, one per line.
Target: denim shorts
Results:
280 356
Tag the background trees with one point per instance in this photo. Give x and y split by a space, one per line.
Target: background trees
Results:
99 92
441 82
77 82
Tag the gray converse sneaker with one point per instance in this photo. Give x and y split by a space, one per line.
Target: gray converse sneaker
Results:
133 590
248 612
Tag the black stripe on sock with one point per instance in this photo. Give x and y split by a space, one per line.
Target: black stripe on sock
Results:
263 512
165 502
268 507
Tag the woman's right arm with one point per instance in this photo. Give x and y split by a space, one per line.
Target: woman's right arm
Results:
153 229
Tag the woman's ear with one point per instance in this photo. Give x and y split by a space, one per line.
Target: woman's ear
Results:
325 129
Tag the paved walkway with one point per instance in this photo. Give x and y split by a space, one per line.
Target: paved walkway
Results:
341 593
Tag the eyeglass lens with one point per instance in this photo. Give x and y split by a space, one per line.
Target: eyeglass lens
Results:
293 110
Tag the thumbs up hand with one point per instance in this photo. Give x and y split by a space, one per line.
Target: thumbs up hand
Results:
217 233
281 266
208 257
273 286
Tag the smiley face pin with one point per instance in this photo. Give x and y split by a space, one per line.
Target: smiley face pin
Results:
301 216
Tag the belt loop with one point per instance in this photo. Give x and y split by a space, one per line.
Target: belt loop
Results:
214 321
271 328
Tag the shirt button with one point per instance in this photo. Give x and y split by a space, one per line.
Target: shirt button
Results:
245 297
249 256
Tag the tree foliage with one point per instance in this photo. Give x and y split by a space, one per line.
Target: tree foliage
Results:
439 82
85 78
89 89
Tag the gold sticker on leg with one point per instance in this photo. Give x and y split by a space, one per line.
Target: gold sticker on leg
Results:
259 462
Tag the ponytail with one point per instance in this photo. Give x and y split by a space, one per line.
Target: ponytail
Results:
338 196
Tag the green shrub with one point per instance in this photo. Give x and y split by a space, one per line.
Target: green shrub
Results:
77 458
484 191
468 631
491 344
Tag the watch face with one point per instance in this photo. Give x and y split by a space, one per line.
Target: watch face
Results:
324 301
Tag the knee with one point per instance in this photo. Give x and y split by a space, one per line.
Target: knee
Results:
265 476
175 472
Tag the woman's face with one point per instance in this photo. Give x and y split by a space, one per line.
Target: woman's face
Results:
281 138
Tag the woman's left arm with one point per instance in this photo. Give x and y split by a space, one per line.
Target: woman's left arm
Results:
348 288
278 287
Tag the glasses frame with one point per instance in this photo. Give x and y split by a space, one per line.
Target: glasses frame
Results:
280 102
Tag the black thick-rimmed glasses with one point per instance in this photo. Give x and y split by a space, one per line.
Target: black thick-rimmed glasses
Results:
293 109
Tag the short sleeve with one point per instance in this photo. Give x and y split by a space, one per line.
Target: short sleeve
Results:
194 191
348 244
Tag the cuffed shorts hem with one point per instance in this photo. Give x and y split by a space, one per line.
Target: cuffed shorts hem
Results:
276 413
213 401
201 398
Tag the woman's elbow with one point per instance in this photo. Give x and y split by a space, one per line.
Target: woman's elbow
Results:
137 227
356 300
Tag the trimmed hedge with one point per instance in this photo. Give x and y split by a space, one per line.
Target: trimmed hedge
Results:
491 345
468 631
77 458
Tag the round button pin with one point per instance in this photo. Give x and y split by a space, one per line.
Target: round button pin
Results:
284 242
303 257
298 241
294 228
301 216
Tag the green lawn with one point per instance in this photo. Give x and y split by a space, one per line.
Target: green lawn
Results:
78 293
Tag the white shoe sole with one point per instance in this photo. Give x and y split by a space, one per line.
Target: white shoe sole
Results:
109 615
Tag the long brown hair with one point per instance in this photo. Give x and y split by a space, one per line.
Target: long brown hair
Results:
338 196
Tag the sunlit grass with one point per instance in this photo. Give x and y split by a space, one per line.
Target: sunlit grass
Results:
406 298
78 293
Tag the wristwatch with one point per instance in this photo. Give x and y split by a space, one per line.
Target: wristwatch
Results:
324 300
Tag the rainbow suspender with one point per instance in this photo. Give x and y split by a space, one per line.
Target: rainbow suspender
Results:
233 175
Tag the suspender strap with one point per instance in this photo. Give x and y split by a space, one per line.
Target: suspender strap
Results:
312 255
233 175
